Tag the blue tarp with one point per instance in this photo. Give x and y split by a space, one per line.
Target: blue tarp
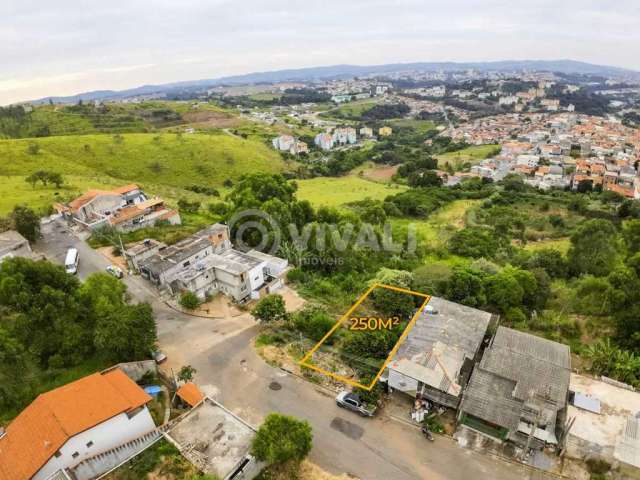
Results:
153 390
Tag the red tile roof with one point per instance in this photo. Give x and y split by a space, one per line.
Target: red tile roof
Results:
190 393
54 417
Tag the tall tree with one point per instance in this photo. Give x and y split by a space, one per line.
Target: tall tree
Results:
595 247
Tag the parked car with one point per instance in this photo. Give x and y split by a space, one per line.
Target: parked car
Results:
352 402
158 356
115 271
71 261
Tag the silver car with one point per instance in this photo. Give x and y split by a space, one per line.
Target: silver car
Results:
352 402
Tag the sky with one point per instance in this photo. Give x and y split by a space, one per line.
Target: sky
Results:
64 47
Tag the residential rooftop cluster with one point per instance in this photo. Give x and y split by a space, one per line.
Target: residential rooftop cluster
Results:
513 387
559 151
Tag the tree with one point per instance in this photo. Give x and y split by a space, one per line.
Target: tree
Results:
313 321
56 179
631 235
282 439
270 309
190 207
186 373
390 302
189 300
551 261
466 286
504 291
33 148
26 222
424 178
474 242
594 248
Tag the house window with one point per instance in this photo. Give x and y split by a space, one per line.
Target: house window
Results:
133 413
75 454
90 444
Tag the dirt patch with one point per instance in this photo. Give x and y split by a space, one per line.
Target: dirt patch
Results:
380 173
310 471
107 252
210 119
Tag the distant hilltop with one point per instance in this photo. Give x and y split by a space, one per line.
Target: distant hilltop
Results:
346 71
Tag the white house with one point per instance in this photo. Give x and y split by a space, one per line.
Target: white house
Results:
324 141
72 423
508 100
343 136
530 161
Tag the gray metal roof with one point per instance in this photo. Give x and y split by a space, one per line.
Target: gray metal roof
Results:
435 349
454 325
519 375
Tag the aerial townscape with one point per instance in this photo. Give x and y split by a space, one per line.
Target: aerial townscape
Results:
381 269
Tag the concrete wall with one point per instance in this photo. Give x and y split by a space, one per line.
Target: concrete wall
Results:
136 370
103 463
105 436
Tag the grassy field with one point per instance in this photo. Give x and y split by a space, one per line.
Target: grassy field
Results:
333 192
560 244
471 155
351 109
438 228
264 96
420 126
162 163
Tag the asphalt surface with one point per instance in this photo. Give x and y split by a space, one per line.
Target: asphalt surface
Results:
221 351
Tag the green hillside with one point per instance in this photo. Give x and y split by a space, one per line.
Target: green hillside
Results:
163 163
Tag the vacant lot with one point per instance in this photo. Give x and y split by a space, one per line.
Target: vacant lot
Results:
333 192
471 156
211 119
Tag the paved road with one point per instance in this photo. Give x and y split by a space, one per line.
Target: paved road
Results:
228 367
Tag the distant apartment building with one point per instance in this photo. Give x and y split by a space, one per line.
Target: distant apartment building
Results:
366 132
551 104
342 98
385 131
324 141
508 100
125 208
344 136
438 91
287 143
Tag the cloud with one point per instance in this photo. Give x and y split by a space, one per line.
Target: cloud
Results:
67 46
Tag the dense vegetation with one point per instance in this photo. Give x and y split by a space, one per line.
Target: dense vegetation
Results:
558 264
51 325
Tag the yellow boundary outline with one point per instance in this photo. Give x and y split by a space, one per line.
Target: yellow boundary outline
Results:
346 315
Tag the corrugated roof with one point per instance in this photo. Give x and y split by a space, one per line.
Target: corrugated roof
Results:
519 374
50 420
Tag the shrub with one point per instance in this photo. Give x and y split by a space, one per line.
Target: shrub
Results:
281 439
189 300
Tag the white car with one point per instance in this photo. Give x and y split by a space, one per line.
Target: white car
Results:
115 271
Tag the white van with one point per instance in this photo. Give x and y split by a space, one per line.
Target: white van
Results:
71 262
